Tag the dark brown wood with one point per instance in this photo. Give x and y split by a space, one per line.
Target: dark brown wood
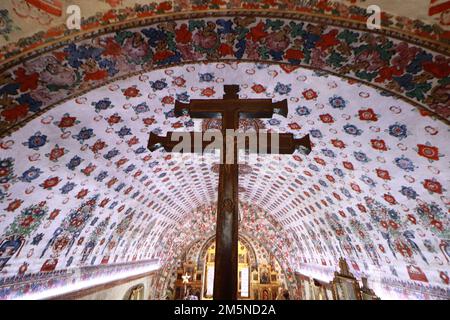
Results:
231 109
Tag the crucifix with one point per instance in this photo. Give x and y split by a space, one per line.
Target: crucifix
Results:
230 109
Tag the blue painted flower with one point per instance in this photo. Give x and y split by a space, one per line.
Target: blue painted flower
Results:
6 170
113 205
345 192
124 131
69 186
36 141
274 122
140 150
37 239
282 89
158 84
170 114
141 108
313 167
408 192
328 153
111 154
189 123
101 176
398 130
302 111
351 211
6 24
352 129
361 156
84 134
393 214
338 172
369 181
206 77
337 102
183 96
74 162
143 178
103 104
120 187
31 174
153 164
130 168
404 163
323 183
316 133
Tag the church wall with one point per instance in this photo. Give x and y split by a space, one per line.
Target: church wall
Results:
116 290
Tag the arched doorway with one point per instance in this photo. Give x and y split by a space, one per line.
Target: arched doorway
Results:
259 273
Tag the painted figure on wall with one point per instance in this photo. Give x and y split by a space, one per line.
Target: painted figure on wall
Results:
8 248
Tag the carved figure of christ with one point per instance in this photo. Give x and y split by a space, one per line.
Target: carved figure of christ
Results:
230 109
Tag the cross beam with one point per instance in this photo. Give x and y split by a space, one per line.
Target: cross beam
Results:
230 109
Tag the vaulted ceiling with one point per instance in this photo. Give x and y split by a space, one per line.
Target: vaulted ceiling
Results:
78 187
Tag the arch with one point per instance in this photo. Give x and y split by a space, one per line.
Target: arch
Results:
67 71
136 292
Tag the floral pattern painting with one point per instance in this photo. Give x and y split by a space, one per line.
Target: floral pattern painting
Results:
79 187
416 74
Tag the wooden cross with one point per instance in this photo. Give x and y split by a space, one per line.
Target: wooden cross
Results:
230 110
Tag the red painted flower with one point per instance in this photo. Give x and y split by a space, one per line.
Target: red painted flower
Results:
179 81
361 207
183 35
177 124
27 222
56 153
89 169
383 174
258 88
380 246
208 92
390 199
14 205
378 144
294 126
50 183
320 161
82 193
168 100
412 219
121 162
113 119
432 186
348 165
149 121
367 115
330 178
393 224
342 213
131 92
133 141
67 122
54 214
355 187
437 224
429 152
337 196
309 94
98 145
326 118
338 143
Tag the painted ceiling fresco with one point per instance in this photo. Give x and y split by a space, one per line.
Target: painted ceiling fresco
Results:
26 25
419 75
79 188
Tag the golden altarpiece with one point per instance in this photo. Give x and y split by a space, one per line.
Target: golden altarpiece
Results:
255 282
